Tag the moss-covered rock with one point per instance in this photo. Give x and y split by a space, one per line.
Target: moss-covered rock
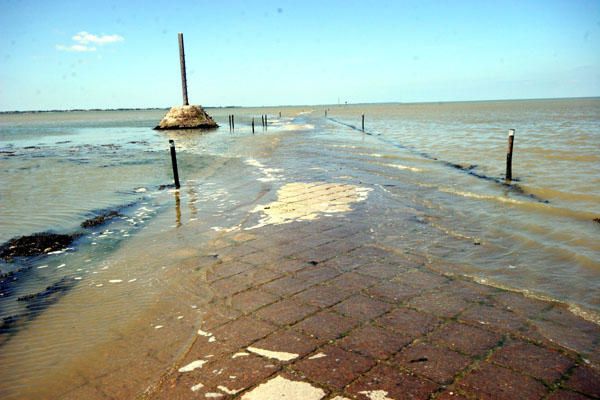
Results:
187 117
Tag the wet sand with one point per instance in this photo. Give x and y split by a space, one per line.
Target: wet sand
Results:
313 287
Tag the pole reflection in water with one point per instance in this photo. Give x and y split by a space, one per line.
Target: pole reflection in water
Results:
177 209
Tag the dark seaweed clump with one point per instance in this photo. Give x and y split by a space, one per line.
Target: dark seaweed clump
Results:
597 220
56 288
35 244
100 219
36 303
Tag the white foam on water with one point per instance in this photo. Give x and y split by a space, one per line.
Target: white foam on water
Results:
307 201
376 394
225 389
115 281
42 266
193 365
61 266
197 387
213 395
282 388
403 167
158 326
278 355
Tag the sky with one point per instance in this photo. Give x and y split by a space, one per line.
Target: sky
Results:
124 54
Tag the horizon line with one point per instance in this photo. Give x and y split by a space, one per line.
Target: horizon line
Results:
294 105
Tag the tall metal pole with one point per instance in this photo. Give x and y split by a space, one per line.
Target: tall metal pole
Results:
182 63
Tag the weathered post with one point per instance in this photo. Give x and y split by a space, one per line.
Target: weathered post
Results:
232 122
279 114
511 139
229 119
265 122
174 163
262 121
182 64
252 125
325 113
363 122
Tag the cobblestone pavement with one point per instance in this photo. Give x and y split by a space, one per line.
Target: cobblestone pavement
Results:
320 309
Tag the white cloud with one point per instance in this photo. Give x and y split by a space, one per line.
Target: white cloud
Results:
84 42
84 37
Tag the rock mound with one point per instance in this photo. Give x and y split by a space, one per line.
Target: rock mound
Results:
186 117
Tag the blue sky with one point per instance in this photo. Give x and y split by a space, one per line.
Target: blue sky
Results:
294 52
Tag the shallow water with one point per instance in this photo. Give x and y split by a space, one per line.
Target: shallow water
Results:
132 274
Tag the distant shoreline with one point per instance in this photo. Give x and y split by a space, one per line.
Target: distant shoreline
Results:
298 105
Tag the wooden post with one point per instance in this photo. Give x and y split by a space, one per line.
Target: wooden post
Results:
174 163
266 122
233 122
252 125
363 122
279 114
511 139
262 121
182 64
325 113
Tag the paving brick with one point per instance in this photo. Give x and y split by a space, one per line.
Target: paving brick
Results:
226 269
536 361
465 338
217 314
369 253
317 274
387 382
286 286
286 312
285 265
227 287
320 253
233 252
258 276
585 380
408 322
326 325
374 342
288 341
495 318
227 376
450 394
251 300
493 382
345 263
440 303
566 395
520 304
242 332
353 281
380 270
393 291
438 364
362 308
421 279
259 258
323 295
567 336
336 369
